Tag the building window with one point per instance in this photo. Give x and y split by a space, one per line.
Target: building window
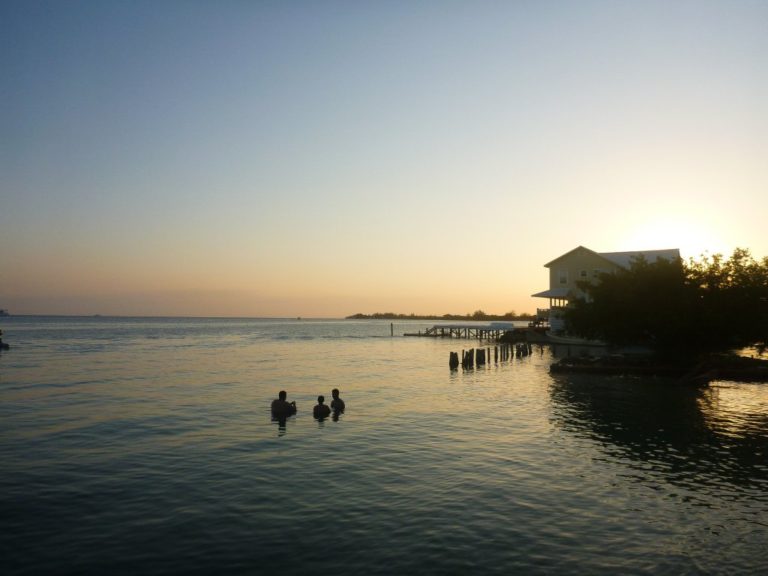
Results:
596 272
582 273
562 276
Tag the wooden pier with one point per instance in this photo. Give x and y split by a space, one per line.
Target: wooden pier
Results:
492 331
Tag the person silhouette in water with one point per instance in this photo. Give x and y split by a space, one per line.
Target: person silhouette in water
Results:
281 408
321 410
337 404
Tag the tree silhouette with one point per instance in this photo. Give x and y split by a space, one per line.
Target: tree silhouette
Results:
706 305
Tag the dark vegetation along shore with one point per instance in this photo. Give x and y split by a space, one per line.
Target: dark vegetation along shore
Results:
696 319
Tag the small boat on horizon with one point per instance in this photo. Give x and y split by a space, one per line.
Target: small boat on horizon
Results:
4 312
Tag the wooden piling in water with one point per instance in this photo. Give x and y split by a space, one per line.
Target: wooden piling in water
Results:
468 359
477 357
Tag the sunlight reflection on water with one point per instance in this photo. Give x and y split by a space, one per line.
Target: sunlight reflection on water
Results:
154 452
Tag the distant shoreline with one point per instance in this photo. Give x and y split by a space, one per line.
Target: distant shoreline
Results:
478 317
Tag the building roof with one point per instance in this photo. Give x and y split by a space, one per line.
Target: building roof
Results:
552 293
577 249
624 259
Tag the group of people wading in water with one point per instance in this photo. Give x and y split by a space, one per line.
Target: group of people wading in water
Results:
281 408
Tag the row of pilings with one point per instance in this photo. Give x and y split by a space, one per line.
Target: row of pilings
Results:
482 356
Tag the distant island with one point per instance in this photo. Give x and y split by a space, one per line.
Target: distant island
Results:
478 315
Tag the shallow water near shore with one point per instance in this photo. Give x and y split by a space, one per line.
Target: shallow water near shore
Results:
146 446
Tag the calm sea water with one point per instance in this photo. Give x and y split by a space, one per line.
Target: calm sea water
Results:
145 446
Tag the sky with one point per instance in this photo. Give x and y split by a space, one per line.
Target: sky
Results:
323 158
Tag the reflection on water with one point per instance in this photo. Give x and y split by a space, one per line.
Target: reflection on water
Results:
281 424
737 415
711 439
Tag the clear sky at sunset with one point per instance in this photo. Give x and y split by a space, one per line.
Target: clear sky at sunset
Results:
319 159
